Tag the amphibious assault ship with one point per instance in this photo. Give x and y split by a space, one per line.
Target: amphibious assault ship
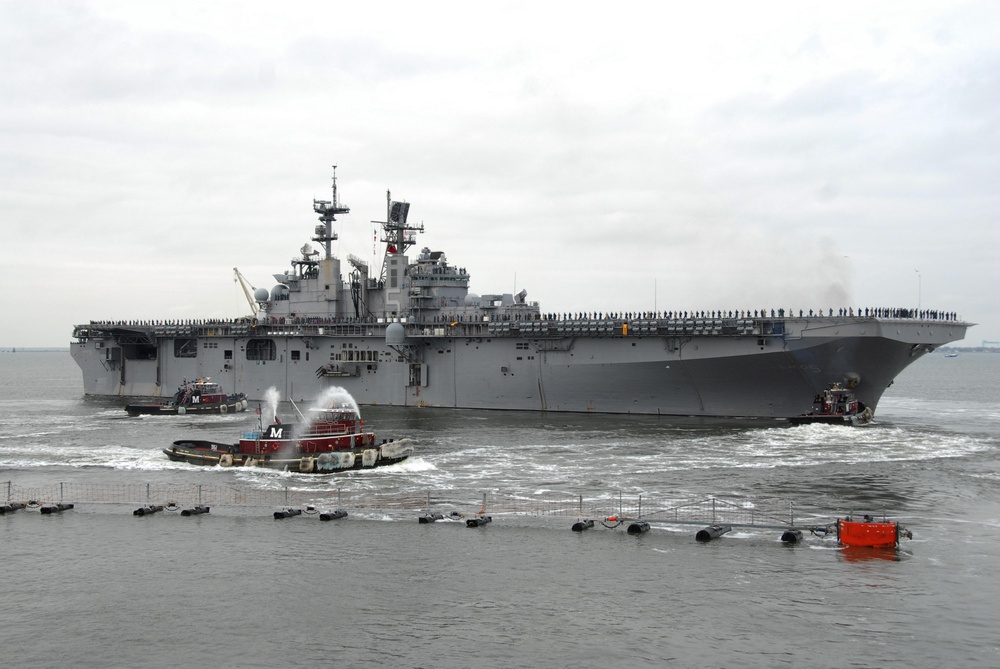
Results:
413 335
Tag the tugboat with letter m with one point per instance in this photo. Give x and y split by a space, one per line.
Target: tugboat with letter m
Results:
332 438
836 405
201 396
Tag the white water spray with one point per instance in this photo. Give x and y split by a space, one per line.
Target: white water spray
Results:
334 397
272 397
337 396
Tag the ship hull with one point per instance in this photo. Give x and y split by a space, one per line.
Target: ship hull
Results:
773 376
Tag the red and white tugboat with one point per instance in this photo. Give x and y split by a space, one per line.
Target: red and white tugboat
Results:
201 396
331 438
838 406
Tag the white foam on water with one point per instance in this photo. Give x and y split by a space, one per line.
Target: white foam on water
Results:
412 464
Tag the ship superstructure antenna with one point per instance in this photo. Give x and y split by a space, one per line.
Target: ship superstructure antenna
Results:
398 236
328 211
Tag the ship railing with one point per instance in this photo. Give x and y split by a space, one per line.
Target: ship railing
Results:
740 325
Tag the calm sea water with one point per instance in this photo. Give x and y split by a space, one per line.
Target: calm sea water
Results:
98 587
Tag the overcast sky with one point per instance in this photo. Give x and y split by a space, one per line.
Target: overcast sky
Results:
603 157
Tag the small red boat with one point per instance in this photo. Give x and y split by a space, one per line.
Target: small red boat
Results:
836 405
201 396
869 533
331 438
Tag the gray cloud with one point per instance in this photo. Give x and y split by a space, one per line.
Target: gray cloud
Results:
722 158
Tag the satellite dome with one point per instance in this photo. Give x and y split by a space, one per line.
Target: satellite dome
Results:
395 334
260 294
279 292
471 300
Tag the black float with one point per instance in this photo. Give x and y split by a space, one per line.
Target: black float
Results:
478 522
196 511
581 525
11 507
429 518
639 527
147 510
287 513
56 508
791 537
333 515
712 532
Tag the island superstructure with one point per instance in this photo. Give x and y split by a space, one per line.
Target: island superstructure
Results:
413 335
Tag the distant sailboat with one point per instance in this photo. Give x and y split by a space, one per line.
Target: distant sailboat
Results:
951 355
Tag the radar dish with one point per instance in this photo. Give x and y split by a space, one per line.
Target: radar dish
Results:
260 294
395 334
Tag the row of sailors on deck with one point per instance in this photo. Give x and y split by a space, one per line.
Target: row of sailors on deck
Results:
879 312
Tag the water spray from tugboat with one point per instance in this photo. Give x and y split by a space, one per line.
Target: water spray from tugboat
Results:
333 396
337 396
272 397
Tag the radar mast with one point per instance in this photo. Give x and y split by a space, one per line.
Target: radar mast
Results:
328 211
398 236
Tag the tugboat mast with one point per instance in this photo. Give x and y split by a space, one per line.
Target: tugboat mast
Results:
328 211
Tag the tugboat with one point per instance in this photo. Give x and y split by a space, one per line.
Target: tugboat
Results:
870 534
201 396
836 405
332 438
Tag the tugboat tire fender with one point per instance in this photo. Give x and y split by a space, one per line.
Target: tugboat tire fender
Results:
224 408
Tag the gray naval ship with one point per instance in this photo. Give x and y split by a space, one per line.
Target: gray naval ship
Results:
414 335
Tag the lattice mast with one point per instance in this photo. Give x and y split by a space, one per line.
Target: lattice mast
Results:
397 234
328 211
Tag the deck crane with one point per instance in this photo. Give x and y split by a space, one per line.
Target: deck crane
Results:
248 290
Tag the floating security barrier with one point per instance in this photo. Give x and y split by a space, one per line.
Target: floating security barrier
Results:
429 518
712 532
791 537
196 511
582 525
11 507
56 508
638 528
478 522
287 513
147 510
333 515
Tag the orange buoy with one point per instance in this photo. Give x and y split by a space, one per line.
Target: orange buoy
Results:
867 533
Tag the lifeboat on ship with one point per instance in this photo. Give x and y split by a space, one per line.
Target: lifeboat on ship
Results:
329 439
201 396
